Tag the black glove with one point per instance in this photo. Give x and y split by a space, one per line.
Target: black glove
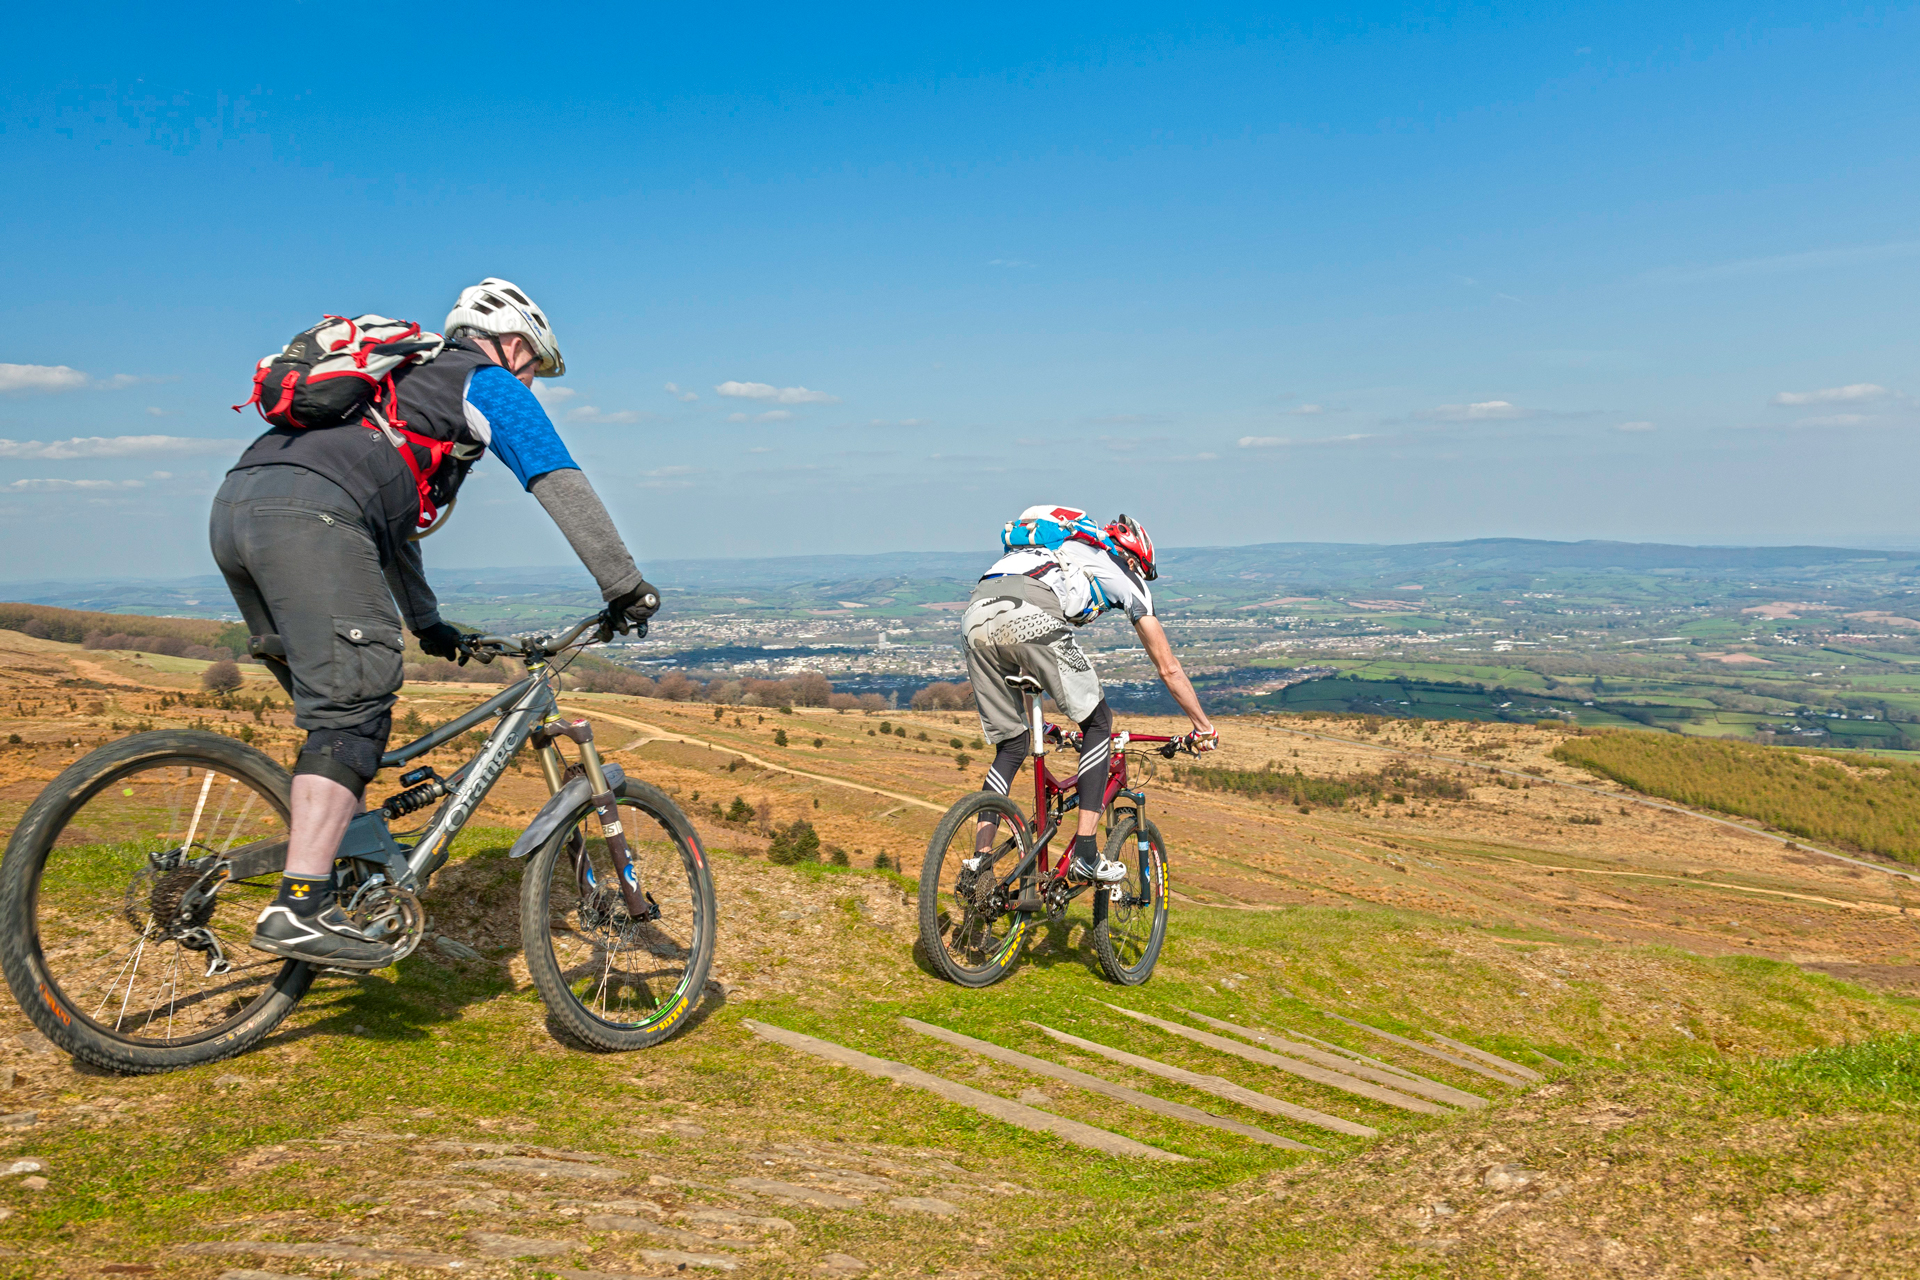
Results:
441 641
636 605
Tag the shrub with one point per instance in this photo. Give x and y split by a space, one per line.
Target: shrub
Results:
1394 783
900 731
819 742
961 760
779 737
922 735
955 743
881 862
222 677
738 811
795 843
979 745
885 727
837 856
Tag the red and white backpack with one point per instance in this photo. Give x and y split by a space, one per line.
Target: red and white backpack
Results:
340 373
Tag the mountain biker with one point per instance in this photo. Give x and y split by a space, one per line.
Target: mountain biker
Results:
1018 622
315 532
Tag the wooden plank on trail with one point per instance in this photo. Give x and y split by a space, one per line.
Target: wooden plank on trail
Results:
1145 1101
1493 1060
1395 1079
1292 1066
1015 1113
1430 1051
1218 1087
1355 1054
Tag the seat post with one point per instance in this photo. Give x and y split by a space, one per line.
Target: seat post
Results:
1034 726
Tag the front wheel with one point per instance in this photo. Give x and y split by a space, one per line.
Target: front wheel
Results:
128 896
1130 916
967 928
612 981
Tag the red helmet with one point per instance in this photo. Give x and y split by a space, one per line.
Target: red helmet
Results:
1132 539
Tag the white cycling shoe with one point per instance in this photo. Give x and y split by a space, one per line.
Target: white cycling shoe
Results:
1101 871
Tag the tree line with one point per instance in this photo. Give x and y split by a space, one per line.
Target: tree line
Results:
1870 803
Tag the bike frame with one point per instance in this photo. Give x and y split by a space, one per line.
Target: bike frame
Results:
1053 799
529 708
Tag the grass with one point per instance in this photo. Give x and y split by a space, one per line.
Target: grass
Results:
1690 1046
1876 809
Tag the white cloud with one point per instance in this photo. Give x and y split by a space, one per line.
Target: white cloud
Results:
112 447
1634 426
771 415
662 472
41 378
1307 410
51 486
1818 259
1834 420
779 395
593 413
551 395
685 397
1851 393
1282 442
1481 411
155 411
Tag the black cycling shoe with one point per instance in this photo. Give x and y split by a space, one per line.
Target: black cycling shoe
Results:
327 938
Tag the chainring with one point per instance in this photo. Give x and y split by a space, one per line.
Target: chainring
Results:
388 914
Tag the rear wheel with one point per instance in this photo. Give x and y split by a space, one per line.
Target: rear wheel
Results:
615 982
966 929
120 934
1130 916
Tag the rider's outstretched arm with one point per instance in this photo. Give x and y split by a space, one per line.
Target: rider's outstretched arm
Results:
1172 674
516 428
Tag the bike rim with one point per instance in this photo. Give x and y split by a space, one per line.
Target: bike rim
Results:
129 940
975 935
629 974
1134 917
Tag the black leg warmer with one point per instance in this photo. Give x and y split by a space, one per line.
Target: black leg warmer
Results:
1096 755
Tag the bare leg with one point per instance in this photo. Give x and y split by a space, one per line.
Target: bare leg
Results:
321 810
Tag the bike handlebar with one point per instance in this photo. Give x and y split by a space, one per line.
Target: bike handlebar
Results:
485 648
1170 746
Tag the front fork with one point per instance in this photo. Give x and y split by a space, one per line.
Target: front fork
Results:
640 904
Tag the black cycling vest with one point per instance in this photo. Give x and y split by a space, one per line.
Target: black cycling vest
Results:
431 402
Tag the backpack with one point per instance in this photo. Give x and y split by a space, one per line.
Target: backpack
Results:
340 373
1051 528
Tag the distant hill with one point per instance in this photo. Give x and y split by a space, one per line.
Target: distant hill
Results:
1312 566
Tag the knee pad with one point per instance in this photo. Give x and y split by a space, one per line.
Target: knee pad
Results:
349 757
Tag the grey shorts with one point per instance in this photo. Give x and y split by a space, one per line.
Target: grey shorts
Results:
1013 626
301 563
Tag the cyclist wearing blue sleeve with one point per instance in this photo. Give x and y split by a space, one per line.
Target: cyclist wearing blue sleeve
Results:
318 535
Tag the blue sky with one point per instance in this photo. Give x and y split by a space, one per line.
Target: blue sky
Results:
1391 274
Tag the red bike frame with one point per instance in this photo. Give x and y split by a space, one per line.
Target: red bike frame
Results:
1047 788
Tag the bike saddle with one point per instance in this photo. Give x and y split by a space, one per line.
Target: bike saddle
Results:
1023 683
267 648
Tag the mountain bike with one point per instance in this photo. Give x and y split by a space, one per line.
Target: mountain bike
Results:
978 905
128 891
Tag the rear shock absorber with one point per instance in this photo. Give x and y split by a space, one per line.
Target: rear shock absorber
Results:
431 787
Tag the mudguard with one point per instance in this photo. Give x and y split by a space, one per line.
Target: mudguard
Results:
568 798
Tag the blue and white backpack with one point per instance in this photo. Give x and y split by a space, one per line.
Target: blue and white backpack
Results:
1052 527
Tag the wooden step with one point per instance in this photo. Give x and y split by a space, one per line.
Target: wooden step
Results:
1293 1066
1464 1064
1014 1113
1216 1086
1094 1084
1493 1060
1393 1078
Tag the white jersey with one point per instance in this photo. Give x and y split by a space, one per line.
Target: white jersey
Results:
1087 580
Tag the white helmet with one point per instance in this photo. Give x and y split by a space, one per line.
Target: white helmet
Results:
499 307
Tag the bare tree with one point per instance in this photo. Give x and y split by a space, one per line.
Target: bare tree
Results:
222 677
